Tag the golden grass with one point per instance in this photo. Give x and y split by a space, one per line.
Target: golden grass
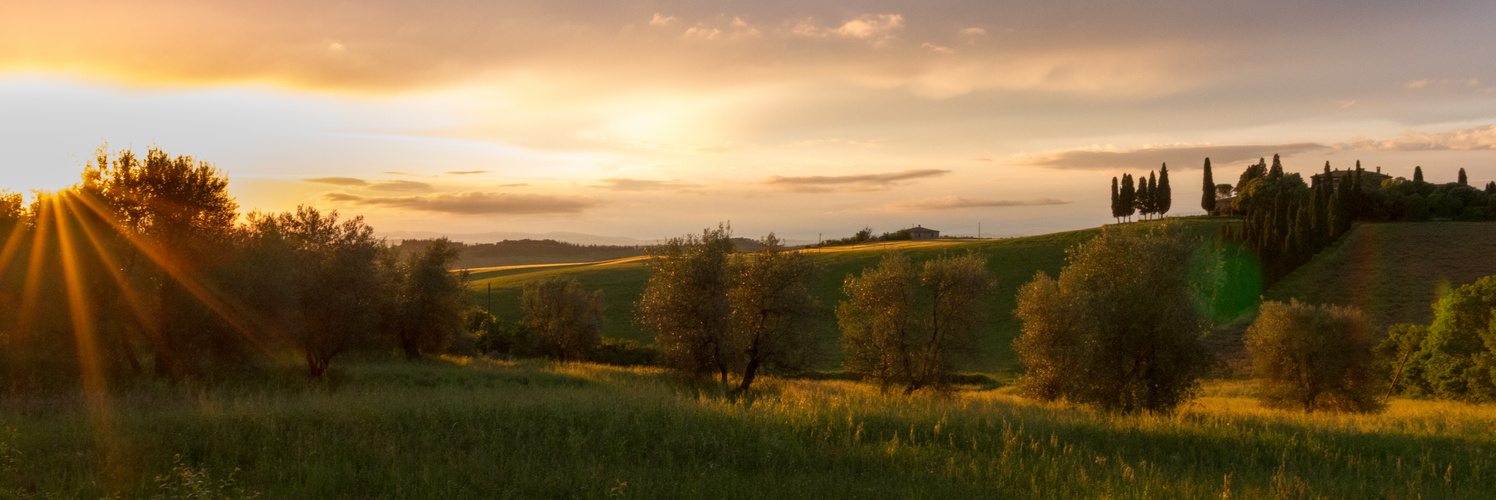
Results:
470 428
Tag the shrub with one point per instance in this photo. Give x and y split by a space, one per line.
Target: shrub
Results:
1458 359
1397 353
624 352
1312 358
495 338
565 320
1121 327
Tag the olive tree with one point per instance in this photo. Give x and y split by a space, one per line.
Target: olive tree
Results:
772 307
1310 358
685 302
315 280
429 299
564 319
1121 326
896 333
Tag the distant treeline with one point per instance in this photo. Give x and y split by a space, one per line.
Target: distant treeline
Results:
865 235
527 252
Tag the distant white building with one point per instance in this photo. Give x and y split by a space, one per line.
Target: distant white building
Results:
923 233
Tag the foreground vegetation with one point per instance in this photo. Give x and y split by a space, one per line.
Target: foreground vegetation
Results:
474 428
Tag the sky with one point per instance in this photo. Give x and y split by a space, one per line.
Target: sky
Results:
654 119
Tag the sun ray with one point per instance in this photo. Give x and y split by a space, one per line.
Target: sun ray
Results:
85 335
162 259
131 296
12 245
35 269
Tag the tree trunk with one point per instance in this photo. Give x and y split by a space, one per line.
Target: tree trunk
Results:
748 374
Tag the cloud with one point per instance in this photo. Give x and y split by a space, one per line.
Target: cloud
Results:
1418 84
871 26
472 203
661 20
874 27
401 186
515 184
622 184
467 172
338 181
859 182
1462 139
407 174
1184 156
957 202
974 32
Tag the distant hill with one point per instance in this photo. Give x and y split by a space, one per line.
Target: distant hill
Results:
1012 261
530 252
1394 271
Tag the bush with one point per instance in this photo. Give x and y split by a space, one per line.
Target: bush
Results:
1458 359
1121 328
1312 358
1397 354
565 320
624 352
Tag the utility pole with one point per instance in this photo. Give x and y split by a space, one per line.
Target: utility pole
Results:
490 299
979 230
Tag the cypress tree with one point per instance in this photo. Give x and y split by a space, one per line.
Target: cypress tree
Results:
1491 187
1144 199
1116 210
1417 174
1164 195
1277 169
1355 195
1208 194
1153 193
1333 215
1464 181
1314 228
1127 196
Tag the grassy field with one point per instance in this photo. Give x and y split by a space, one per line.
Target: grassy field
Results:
1012 262
1394 271
482 429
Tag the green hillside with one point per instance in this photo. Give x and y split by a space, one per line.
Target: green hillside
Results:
1394 271
1012 262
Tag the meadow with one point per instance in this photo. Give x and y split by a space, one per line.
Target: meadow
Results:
1011 261
466 428
1394 271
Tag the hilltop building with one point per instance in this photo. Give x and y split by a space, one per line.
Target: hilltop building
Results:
923 233
1368 178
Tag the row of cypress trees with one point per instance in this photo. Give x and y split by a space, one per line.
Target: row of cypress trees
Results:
1148 197
1285 222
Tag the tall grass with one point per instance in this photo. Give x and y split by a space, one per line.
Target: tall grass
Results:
477 428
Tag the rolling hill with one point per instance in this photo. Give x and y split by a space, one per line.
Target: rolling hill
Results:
1394 271
1012 262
